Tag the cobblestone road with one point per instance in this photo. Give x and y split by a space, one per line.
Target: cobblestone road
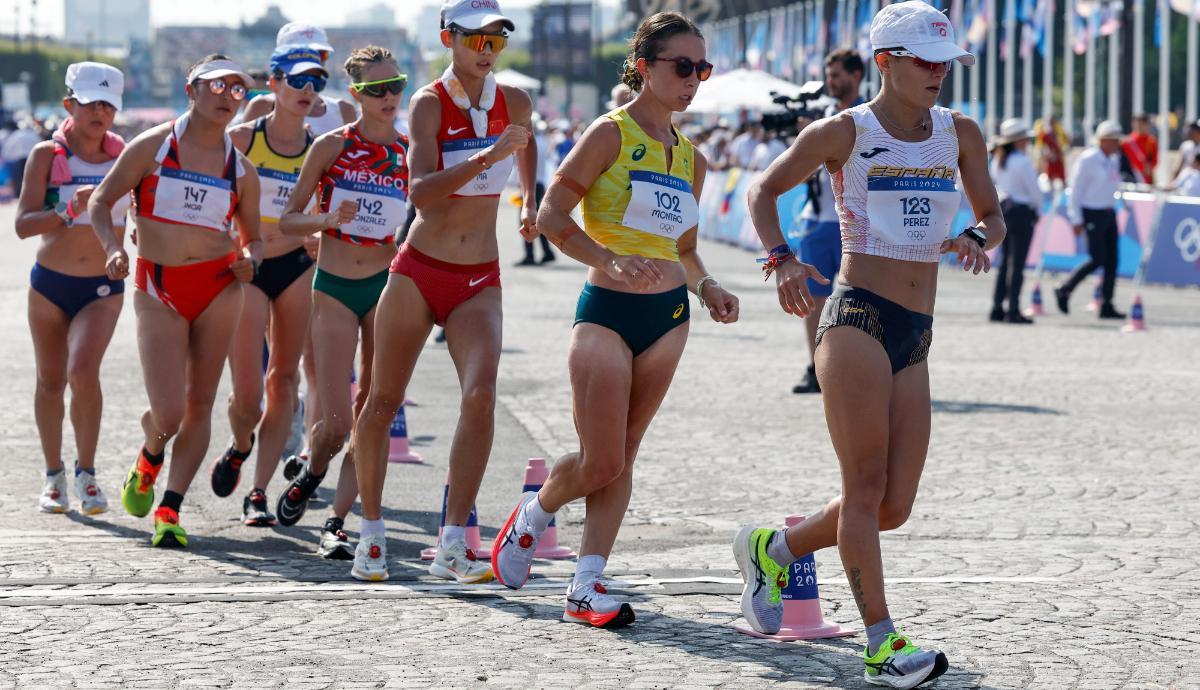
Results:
1053 545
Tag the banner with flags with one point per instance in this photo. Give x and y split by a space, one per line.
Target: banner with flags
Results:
977 33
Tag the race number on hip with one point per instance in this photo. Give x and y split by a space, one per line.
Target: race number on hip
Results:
911 211
490 182
379 210
660 204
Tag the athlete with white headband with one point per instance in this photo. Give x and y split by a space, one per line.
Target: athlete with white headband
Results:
894 162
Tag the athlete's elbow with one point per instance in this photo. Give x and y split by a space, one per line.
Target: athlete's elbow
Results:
24 227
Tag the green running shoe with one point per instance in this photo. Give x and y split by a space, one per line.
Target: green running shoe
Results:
763 577
167 532
138 493
899 663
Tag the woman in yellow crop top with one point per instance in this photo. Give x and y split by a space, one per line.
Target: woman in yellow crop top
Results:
639 180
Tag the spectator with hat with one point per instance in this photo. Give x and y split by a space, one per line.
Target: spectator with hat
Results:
1020 198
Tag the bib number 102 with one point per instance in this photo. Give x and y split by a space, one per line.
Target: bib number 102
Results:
667 201
914 205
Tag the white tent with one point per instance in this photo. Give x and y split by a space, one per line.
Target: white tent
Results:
511 77
727 92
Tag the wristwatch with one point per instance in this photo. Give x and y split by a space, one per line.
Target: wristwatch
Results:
974 234
61 209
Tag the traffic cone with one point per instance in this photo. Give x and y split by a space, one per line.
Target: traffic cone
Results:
1137 317
1097 299
398 450
802 619
535 477
472 530
1035 302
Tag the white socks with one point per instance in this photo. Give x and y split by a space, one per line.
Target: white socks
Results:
537 517
588 568
372 528
450 533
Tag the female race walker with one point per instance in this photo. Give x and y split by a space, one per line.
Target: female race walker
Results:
893 162
639 179
73 304
465 130
360 176
189 183
281 292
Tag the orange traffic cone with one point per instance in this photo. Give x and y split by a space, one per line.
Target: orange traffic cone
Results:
1137 317
802 618
1035 302
472 530
398 450
548 547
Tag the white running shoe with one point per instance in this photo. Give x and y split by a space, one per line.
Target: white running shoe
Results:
91 497
512 552
456 562
591 603
370 559
54 494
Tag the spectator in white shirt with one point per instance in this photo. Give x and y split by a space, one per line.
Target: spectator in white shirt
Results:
767 151
1187 149
741 150
1095 179
1188 181
1021 199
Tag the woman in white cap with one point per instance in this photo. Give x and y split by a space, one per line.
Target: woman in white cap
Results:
73 303
280 293
189 185
894 162
1094 181
1016 181
466 132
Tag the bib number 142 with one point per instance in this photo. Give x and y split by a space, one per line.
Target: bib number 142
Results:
914 205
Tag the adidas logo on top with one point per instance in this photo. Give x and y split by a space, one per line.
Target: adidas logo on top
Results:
104 83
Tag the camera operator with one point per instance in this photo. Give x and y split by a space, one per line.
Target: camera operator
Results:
820 238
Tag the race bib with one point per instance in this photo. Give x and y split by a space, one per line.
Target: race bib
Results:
380 209
275 189
193 199
490 182
911 211
660 204
67 192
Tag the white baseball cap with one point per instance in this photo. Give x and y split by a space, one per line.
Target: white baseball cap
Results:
95 81
1109 129
221 68
1012 129
918 28
303 34
473 14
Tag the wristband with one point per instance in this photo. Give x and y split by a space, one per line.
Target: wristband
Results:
71 209
481 159
700 287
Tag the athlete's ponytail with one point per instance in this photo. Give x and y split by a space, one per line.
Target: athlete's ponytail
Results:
648 40
361 58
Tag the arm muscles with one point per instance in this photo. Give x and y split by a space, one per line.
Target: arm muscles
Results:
977 182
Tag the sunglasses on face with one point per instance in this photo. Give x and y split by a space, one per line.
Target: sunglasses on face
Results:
931 66
478 41
684 67
377 89
299 81
237 90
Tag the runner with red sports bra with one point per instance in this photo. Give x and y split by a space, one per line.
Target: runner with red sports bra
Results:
360 176
465 132
189 184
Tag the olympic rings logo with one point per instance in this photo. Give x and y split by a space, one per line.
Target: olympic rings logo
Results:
667 228
1187 239
481 186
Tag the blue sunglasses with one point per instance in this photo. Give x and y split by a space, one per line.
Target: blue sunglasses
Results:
299 81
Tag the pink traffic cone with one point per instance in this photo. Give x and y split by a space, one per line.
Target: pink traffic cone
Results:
398 450
1137 317
802 618
548 547
1097 298
473 542
1035 302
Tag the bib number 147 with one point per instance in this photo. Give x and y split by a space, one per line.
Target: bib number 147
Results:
914 205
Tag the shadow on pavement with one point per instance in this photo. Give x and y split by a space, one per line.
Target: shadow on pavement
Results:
961 407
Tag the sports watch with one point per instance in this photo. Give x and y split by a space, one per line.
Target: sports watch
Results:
974 234
62 210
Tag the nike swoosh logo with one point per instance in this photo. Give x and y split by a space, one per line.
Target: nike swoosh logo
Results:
871 154
452 132
473 283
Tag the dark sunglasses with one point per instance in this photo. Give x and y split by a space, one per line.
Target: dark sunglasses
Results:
684 67
377 89
299 81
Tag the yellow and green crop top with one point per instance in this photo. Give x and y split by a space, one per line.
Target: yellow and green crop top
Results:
277 174
638 206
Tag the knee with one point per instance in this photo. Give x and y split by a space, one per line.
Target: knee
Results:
167 420
282 385
83 378
336 427
602 469
52 385
479 400
864 494
893 514
379 409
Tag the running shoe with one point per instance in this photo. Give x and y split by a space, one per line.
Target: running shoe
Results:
294 499
512 552
335 543
370 559
91 499
293 465
254 510
54 494
138 493
456 562
763 579
899 663
591 603
228 469
167 531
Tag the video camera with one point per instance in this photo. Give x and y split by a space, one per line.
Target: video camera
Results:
784 124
